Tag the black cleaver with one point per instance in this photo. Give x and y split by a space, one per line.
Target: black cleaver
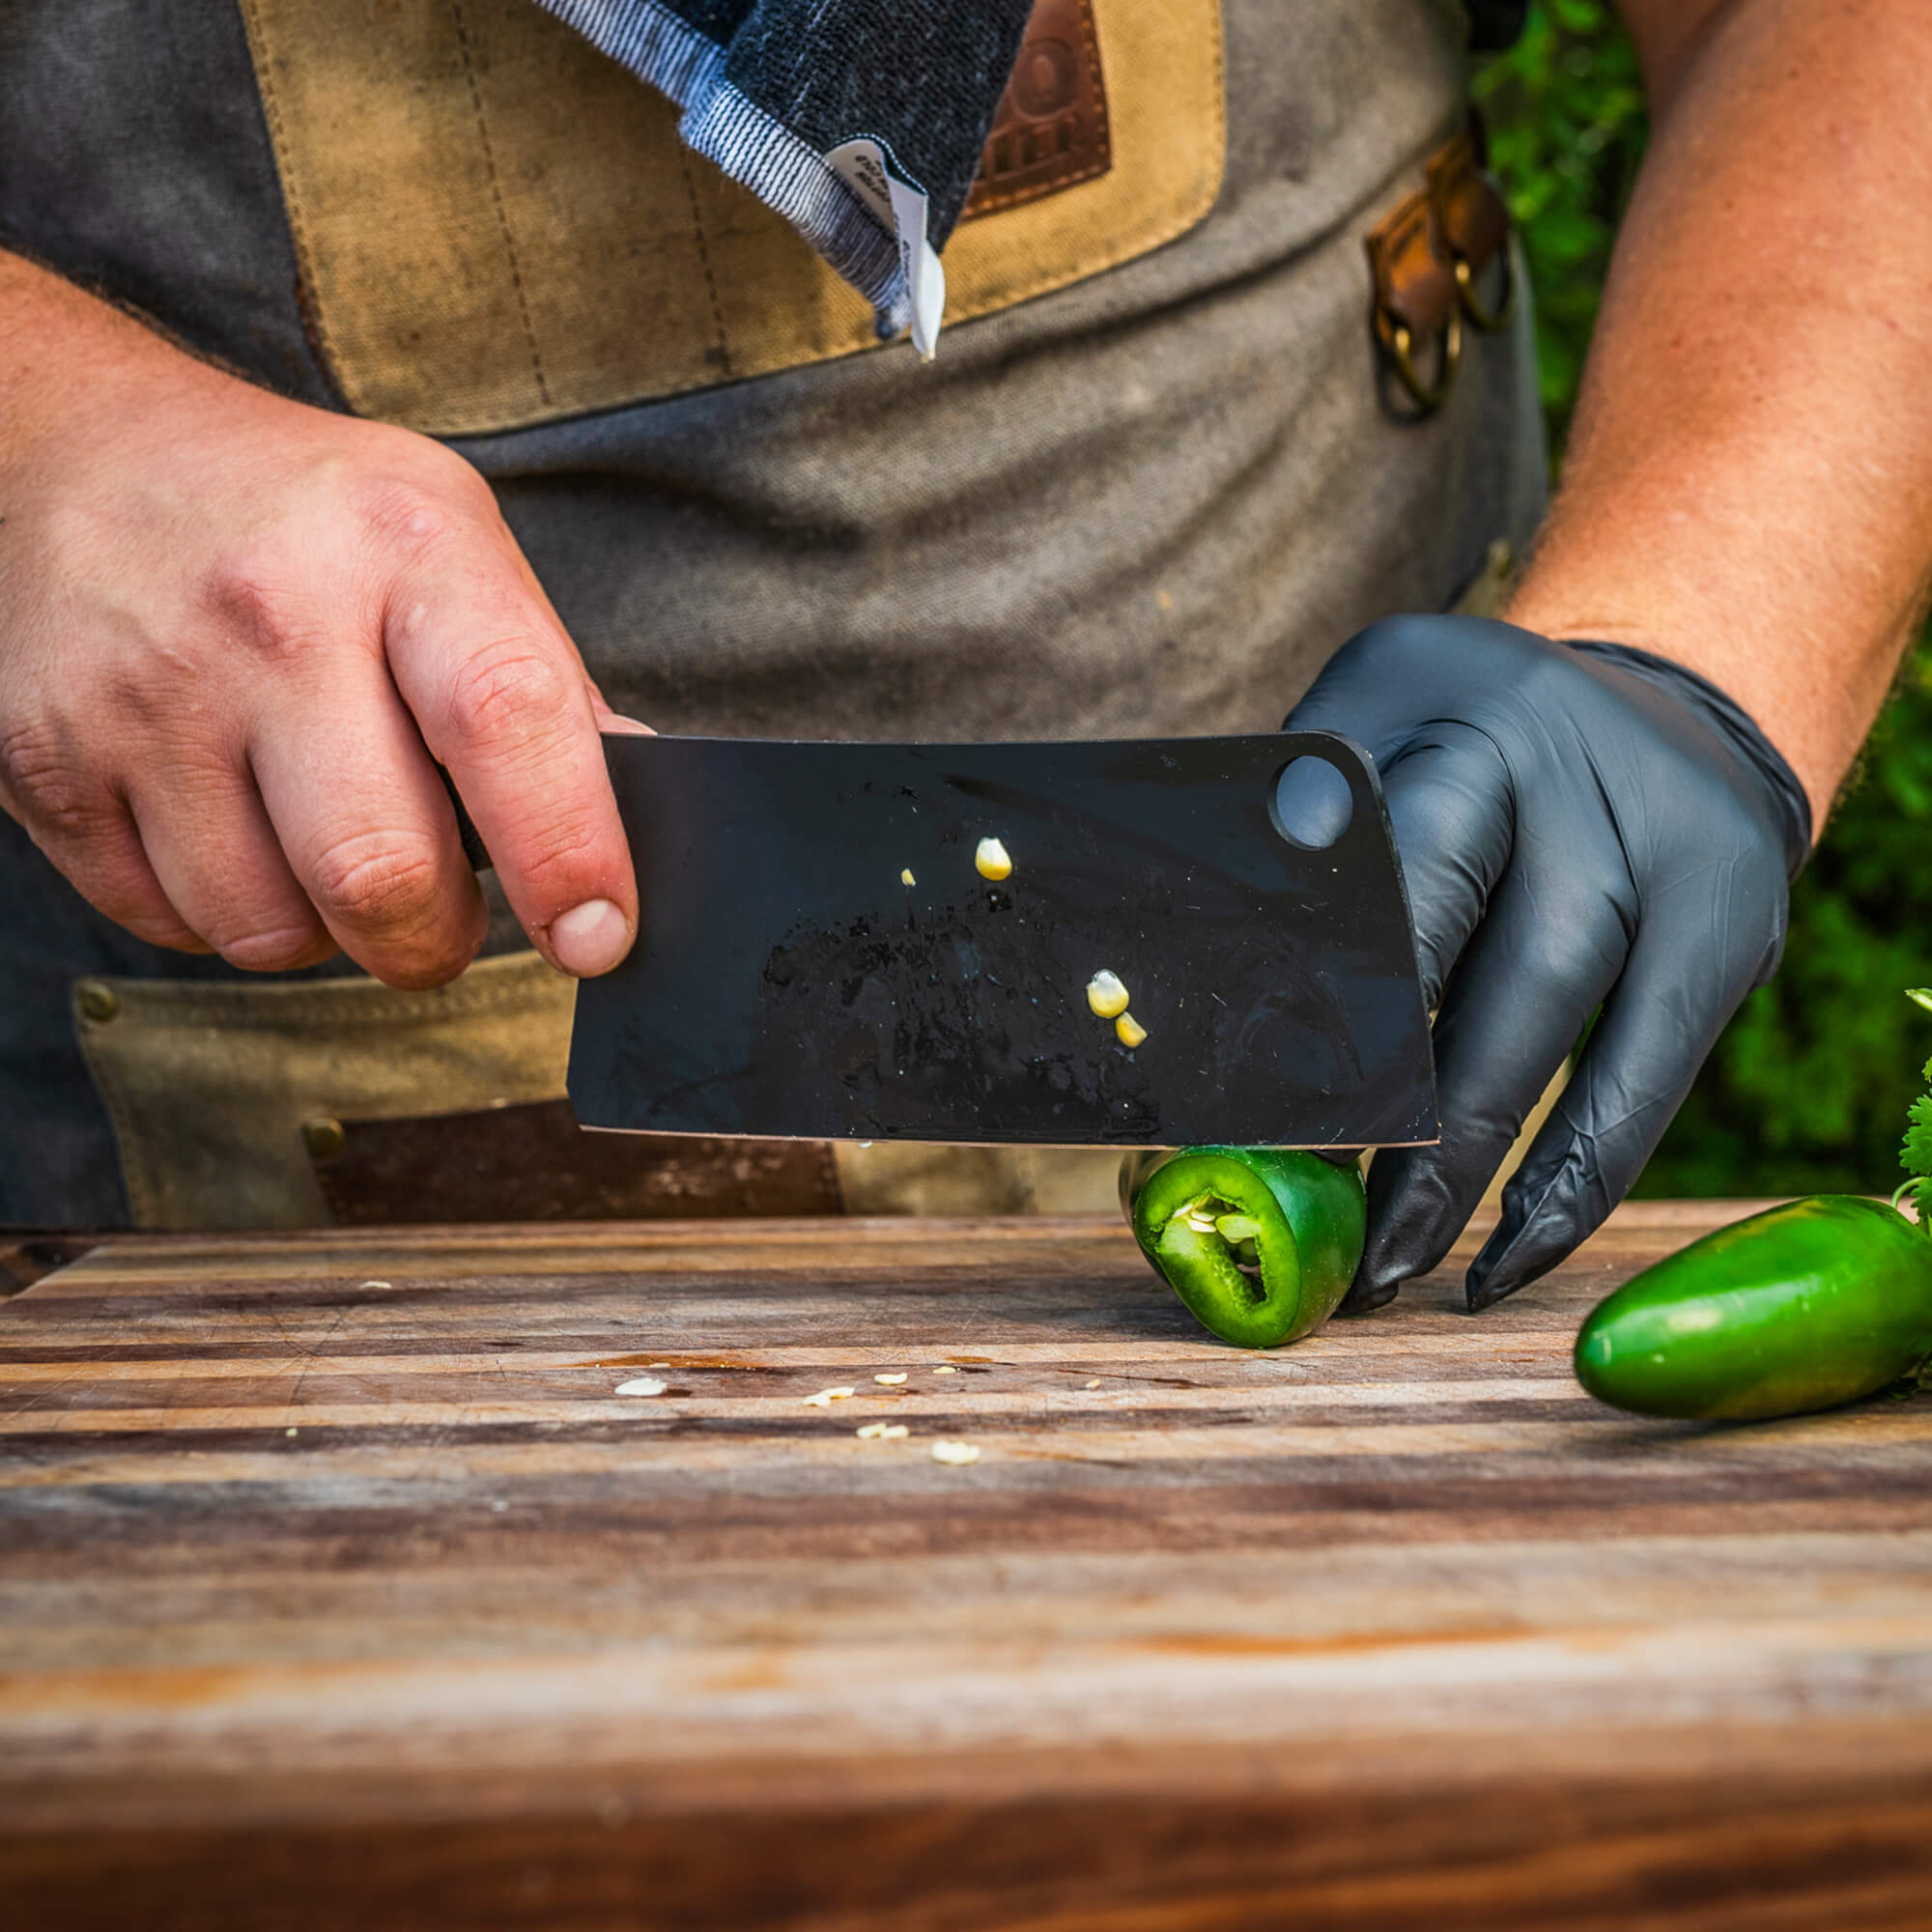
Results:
823 956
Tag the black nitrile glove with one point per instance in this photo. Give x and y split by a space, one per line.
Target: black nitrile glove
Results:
1581 825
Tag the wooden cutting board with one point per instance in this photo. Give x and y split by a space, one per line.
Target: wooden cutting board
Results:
339 1589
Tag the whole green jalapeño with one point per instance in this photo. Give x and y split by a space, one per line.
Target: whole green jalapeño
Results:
1259 1242
1803 1307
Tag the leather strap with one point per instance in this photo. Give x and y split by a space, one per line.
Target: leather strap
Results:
1439 259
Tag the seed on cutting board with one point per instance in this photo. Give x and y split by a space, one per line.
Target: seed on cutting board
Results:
1130 1031
992 860
825 1398
1106 995
892 1381
954 1452
946 1369
643 1386
906 876
1094 1384
882 1432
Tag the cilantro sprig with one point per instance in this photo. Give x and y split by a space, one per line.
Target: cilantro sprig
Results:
1914 1155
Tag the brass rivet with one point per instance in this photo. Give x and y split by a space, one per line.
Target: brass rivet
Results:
324 1137
99 1002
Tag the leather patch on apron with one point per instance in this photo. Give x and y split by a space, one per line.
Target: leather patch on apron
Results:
1051 128
497 226
535 1163
210 1086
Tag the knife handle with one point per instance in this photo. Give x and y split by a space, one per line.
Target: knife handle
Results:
473 848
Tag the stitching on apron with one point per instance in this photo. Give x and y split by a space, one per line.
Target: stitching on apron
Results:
448 352
298 228
704 260
497 197
375 1007
128 1149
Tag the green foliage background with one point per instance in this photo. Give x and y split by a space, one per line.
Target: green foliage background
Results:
1808 1087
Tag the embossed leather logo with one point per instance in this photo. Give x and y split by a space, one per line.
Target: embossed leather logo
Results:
1051 128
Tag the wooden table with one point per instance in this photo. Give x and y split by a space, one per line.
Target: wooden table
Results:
339 1589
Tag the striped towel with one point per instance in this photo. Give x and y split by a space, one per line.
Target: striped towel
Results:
860 121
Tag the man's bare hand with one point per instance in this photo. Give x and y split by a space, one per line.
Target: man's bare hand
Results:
230 625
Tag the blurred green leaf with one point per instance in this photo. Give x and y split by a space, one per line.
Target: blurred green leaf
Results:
1582 18
1567 128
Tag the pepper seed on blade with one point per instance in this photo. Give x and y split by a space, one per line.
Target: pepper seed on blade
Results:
992 860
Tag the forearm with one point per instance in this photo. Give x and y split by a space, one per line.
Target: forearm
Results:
68 356
1749 487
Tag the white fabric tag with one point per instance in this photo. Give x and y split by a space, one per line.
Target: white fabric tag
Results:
902 207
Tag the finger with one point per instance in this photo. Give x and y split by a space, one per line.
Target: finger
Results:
1451 808
614 724
1536 969
216 857
1656 1032
367 829
94 847
503 701
610 722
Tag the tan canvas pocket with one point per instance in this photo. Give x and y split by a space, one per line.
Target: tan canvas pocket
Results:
210 1086
497 226
216 1092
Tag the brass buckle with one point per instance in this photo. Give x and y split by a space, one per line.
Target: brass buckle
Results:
1401 345
1415 302
1472 223
1490 321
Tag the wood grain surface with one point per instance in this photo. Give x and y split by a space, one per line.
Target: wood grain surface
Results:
338 1589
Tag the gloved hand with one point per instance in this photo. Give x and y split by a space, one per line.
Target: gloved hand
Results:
1581 825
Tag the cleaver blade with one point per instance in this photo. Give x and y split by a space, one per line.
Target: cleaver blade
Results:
787 980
